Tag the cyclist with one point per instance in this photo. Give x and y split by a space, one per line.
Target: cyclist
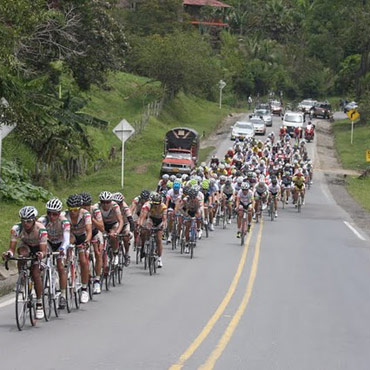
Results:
58 228
163 183
128 224
31 237
154 214
191 207
286 182
228 191
260 196
81 234
112 218
135 208
97 237
172 197
298 181
274 192
244 201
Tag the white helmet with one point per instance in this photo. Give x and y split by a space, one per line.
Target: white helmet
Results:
105 196
54 205
245 186
165 176
28 212
118 197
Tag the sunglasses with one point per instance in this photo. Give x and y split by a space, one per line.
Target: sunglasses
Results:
53 213
28 221
105 201
73 209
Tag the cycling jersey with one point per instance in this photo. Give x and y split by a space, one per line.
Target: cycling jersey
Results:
38 235
58 231
110 217
245 199
155 213
261 189
83 219
173 197
228 190
125 212
274 189
96 215
299 181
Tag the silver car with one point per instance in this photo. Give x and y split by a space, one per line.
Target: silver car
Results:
306 105
259 125
242 130
265 114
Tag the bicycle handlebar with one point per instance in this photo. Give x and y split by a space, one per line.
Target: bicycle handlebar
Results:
18 259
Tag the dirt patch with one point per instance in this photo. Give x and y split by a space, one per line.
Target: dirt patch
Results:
141 169
327 161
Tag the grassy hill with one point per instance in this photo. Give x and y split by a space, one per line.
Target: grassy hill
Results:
127 97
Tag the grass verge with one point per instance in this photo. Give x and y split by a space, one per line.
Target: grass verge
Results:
353 157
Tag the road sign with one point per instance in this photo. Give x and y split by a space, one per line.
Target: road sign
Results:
221 85
368 155
123 131
353 114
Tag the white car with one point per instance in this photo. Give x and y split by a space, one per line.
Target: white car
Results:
258 124
306 105
291 120
242 130
265 114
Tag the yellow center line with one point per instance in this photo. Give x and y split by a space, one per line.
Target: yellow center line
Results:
221 345
220 309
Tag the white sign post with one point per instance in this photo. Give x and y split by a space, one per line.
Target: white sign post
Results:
123 131
221 86
4 129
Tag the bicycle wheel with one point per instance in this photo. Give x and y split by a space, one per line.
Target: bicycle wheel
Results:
21 300
32 303
224 219
56 293
91 276
271 210
206 229
121 261
299 200
47 300
77 286
69 290
109 269
151 257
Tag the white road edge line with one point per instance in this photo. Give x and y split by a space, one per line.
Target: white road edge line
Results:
354 230
7 303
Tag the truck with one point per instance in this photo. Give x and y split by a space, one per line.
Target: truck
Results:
181 151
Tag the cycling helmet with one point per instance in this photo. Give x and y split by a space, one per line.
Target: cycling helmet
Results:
165 177
299 173
274 181
118 197
245 186
145 195
193 193
184 177
28 212
172 178
197 188
105 196
222 178
178 176
205 184
192 182
86 199
169 184
212 182
239 180
203 164
186 190
221 166
54 205
176 185
155 198
74 201
228 181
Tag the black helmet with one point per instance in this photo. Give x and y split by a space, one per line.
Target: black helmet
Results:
186 190
155 198
145 195
86 198
74 201
193 193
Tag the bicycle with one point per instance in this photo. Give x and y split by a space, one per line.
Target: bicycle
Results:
257 211
192 235
25 296
244 229
51 287
74 284
92 273
150 252
271 208
175 228
118 269
299 201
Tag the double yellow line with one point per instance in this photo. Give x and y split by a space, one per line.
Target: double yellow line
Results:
221 345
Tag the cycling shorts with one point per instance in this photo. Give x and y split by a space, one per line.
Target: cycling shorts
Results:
109 227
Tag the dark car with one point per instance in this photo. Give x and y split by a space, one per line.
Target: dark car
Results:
322 109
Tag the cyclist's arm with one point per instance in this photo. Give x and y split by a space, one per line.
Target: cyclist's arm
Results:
98 221
120 222
143 216
88 233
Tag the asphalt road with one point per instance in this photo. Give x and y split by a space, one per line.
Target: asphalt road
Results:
296 296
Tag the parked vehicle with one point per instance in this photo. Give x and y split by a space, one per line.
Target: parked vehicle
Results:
242 130
322 109
306 105
181 151
349 106
265 114
291 120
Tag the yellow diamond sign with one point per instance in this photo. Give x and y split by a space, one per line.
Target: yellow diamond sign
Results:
353 114
367 155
